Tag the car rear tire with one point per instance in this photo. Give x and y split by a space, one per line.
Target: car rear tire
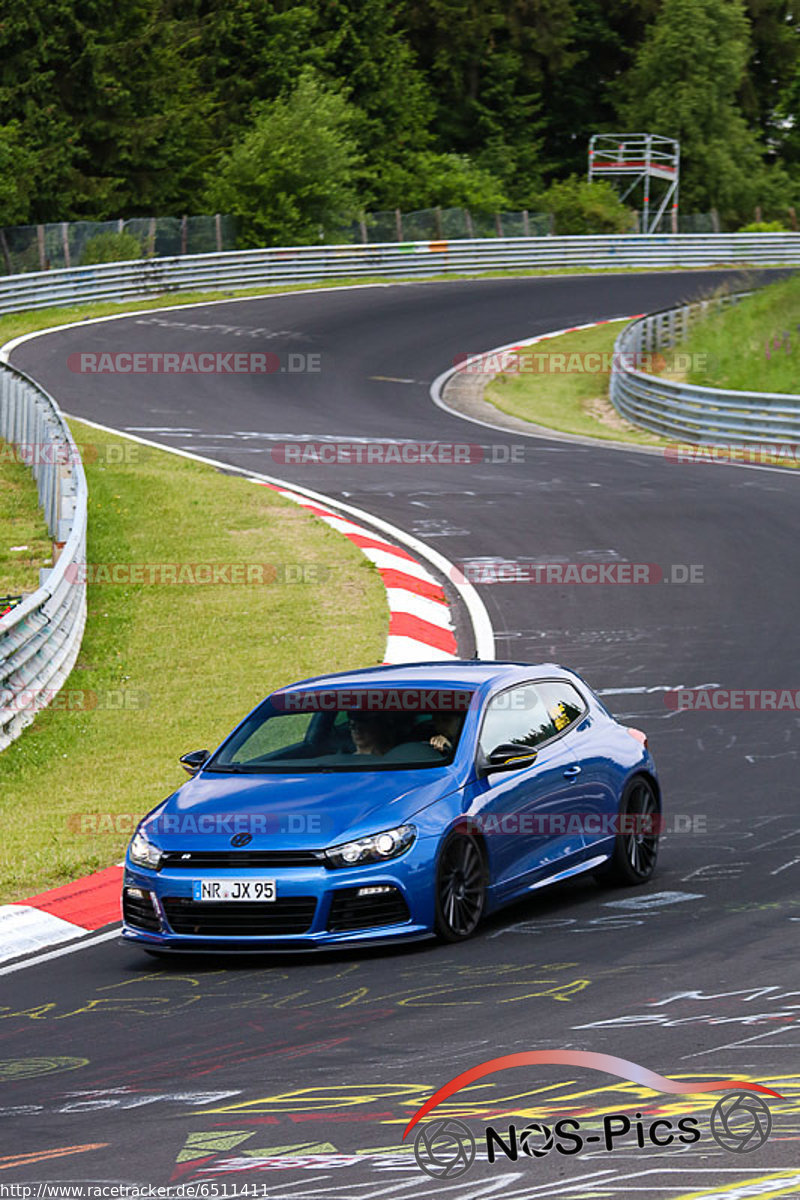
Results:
460 888
635 849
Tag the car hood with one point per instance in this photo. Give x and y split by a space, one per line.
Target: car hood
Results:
292 812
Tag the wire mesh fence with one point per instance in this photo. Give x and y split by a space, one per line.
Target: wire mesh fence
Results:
26 248
83 243
446 224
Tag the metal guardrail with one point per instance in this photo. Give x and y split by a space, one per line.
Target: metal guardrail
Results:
41 637
306 264
685 412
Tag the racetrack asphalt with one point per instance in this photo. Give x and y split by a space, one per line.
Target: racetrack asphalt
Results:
299 1074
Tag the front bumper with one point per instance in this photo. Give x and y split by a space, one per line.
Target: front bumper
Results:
315 907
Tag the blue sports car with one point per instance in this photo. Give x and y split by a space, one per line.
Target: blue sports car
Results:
392 803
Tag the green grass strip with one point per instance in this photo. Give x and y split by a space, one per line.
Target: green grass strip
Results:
562 382
169 668
25 544
753 346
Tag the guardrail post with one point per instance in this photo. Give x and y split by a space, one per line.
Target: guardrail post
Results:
40 638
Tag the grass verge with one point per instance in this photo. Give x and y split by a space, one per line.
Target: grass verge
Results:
753 346
555 383
25 544
170 668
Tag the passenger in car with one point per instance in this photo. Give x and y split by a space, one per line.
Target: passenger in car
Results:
447 726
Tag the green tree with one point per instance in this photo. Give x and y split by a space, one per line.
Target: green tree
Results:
581 95
451 181
250 50
290 179
33 40
685 84
774 56
582 207
490 64
362 46
16 176
108 98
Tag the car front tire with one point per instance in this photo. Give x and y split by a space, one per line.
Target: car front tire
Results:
460 888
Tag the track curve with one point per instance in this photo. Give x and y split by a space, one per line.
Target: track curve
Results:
697 973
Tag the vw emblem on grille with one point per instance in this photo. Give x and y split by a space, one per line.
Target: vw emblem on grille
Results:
241 839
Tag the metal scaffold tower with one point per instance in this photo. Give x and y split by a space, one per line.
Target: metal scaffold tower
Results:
649 161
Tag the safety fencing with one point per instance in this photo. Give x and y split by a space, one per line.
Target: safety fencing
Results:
686 412
244 269
41 637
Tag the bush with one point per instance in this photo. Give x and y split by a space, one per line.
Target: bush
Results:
582 207
111 247
426 179
764 227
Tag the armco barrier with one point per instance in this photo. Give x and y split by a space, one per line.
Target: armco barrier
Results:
41 637
685 412
299 264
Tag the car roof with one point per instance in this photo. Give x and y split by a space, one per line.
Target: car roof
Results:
465 673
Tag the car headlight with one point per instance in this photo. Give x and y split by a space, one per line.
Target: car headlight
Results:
377 848
143 852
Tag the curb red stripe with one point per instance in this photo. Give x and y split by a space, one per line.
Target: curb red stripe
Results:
409 583
90 902
376 543
406 625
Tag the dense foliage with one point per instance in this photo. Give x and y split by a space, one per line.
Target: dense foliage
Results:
297 115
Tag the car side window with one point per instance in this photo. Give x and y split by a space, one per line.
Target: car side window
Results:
563 702
517 715
530 714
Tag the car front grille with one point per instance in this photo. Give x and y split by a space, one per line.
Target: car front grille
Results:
138 910
240 860
364 908
291 914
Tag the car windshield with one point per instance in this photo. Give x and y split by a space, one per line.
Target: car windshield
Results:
298 732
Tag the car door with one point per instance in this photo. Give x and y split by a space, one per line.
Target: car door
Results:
585 744
524 814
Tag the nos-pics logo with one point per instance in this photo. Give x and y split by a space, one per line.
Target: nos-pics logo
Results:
740 1122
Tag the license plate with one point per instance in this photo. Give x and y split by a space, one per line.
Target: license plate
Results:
215 890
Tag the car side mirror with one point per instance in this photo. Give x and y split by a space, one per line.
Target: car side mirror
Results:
194 761
509 757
